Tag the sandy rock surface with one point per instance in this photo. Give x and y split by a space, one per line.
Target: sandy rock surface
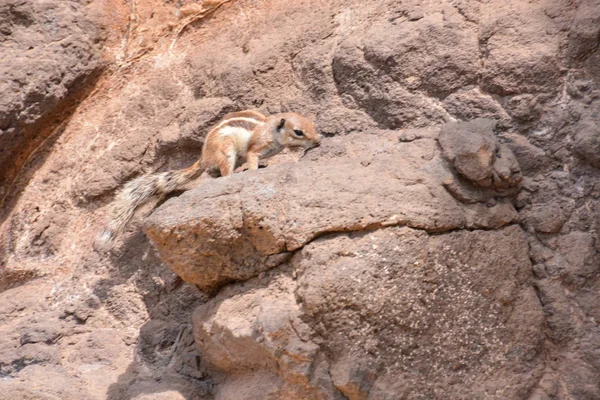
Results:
441 243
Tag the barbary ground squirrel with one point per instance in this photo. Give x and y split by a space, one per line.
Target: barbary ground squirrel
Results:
244 136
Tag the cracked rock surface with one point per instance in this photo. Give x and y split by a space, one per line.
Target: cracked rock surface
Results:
232 229
441 243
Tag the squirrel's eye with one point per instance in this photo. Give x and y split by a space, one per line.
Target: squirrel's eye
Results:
298 133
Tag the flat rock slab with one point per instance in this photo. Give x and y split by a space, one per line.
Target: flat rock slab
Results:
233 228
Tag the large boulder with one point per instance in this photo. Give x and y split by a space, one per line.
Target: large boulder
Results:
370 283
234 228
387 312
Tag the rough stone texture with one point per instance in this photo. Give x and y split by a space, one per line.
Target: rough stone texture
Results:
232 229
382 79
468 104
587 143
521 42
50 55
453 307
259 335
473 151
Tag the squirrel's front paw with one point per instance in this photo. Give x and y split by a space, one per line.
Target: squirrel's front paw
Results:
241 168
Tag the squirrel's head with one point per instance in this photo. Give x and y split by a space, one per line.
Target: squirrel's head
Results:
295 130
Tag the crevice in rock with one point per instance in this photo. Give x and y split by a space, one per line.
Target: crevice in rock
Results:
7 371
463 14
359 231
34 153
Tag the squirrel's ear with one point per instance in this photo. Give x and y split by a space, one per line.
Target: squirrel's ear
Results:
281 124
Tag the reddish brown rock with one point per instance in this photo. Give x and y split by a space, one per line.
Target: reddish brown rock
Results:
237 227
117 325
50 59
473 151
470 148
469 104
519 57
546 217
259 334
354 377
381 319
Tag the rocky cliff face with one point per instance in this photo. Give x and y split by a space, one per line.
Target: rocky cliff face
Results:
441 243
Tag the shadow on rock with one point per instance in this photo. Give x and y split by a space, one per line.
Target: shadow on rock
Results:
141 291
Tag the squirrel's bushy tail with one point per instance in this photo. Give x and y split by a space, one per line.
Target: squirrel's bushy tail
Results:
138 192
